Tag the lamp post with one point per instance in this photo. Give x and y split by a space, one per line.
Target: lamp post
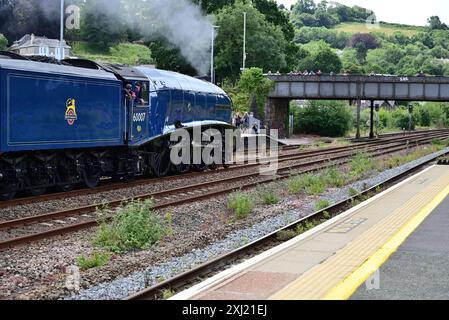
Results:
61 39
244 41
212 71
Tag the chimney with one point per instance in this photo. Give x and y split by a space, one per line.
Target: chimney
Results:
32 39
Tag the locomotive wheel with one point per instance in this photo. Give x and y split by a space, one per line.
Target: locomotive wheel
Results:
66 187
161 163
224 164
181 169
213 167
37 191
7 196
91 180
200 167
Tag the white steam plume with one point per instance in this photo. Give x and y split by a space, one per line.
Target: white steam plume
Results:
181 22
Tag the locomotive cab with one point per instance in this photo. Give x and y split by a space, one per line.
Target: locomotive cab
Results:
138 109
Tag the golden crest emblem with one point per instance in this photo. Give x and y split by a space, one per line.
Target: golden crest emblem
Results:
70 114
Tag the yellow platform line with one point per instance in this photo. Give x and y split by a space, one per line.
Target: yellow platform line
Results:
319 281
347 287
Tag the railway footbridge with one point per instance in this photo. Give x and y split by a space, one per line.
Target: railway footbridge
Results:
348 87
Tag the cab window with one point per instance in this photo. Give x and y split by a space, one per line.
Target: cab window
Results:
141 88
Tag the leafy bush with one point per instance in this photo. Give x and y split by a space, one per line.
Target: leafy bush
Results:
311 184
3 42
269 196
401 119
241 204
285 235
334 178
361 165
386 118
135 226
316 186
326 118
98 259
299 183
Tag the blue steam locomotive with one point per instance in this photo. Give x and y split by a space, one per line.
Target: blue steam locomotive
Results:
74 122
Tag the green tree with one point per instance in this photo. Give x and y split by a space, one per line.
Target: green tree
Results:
351 63
321 57
276 16
168 57
266 45
336 39
101 23
363 42
3 42
253 84
210 6
304 6
436 24
326 118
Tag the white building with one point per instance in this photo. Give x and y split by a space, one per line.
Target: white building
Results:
31 45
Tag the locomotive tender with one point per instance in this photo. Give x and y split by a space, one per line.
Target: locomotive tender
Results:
70 123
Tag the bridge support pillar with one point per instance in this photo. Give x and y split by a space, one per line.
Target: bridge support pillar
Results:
371 132
359 108
276 115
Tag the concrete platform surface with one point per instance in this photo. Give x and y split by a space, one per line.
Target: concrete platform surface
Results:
334 259
420 267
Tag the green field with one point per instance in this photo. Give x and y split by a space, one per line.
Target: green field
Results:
123 53
388 29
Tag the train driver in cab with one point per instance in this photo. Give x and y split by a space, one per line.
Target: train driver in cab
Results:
138 94
129 94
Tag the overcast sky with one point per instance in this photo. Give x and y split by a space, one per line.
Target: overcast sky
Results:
414 12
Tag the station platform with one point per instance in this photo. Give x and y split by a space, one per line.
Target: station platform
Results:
393 246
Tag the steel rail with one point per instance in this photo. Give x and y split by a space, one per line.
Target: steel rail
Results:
187 278
108 186
283 173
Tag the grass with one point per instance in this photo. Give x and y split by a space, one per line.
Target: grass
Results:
352 192
357 27
399 160
123 53
285 235
167 294
361 165
334 178
440 143
241 204
269 197
311 184
134 226
321 205
316 184
98 259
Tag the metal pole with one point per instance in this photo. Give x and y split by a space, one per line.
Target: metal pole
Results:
359 107
212 55
371 133
244 40
61 39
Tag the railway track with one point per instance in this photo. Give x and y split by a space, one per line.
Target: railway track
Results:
108 185
34 228
206 270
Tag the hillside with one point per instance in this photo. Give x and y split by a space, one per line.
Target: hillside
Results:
123 53
386 28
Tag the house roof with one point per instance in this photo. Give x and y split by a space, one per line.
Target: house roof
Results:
30 40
